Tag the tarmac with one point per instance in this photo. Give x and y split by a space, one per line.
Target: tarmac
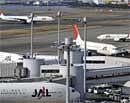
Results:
99 22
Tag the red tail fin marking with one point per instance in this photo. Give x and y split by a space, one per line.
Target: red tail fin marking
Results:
76 31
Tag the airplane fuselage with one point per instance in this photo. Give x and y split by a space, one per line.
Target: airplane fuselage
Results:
39 92
26 19
10 57
101 48
13 18
115 37
106 49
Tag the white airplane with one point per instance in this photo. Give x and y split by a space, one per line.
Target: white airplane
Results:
26 19
90 2
35 92
6 57
101 48
115 37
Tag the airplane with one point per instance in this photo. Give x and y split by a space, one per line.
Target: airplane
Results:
35 92
26 19
91 2
7 57
101 48
115 37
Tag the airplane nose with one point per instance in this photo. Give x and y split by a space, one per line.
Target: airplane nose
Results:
99 37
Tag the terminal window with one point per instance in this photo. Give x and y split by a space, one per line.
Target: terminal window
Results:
50 71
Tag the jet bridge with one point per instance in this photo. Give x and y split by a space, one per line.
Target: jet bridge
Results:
95 73
108 75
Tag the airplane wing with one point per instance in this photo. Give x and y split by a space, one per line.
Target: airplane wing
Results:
19 19
24 20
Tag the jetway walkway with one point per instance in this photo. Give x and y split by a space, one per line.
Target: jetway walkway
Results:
109 80
108 75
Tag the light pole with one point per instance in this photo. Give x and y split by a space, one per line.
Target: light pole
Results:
68 45
85 47
58 51
31 45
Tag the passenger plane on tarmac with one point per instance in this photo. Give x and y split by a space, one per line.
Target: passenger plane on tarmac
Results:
26 19
115 37
101 48
35 92
7 57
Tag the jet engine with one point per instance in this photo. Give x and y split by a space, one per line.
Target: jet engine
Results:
28 21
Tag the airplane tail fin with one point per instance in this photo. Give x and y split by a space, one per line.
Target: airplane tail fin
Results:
76 32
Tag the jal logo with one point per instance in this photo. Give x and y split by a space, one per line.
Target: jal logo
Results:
8 58
39 93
